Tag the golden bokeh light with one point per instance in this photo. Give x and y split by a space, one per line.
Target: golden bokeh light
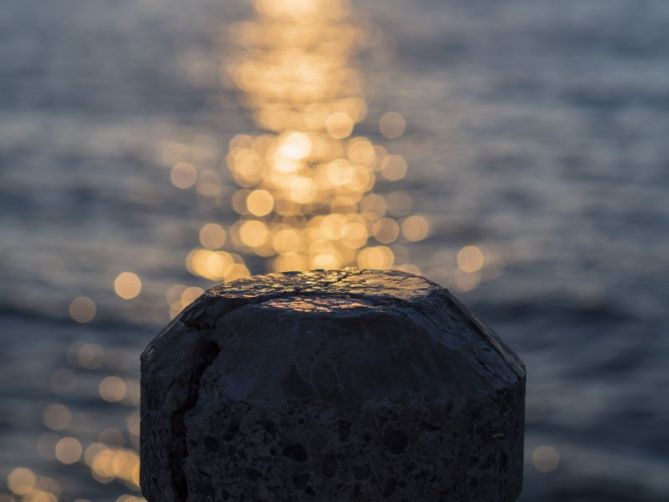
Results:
107 464
40 496
377 257
393 167
294 146
415 228
361 151
112 389
339 125
82 309
253 233
392 125
386 230
260 203
308 180
57 417
21 480
470 259
183 175
68 450
545 458
127 285
212 236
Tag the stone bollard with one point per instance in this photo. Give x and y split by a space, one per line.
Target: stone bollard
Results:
330 386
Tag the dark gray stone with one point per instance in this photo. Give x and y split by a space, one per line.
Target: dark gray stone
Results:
330 386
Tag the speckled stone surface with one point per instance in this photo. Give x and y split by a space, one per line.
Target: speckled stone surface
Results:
330 386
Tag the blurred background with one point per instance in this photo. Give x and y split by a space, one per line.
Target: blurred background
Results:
515 152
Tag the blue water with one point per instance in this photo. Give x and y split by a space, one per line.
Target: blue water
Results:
542 131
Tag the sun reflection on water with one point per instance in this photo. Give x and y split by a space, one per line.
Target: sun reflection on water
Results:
306 187
310 192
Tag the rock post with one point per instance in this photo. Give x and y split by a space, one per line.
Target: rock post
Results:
350 385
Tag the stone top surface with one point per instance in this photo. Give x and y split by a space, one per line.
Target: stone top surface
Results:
327 290
353 337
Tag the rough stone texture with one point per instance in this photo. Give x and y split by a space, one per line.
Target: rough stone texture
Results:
330 386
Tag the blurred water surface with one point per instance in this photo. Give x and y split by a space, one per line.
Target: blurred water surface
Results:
536 148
